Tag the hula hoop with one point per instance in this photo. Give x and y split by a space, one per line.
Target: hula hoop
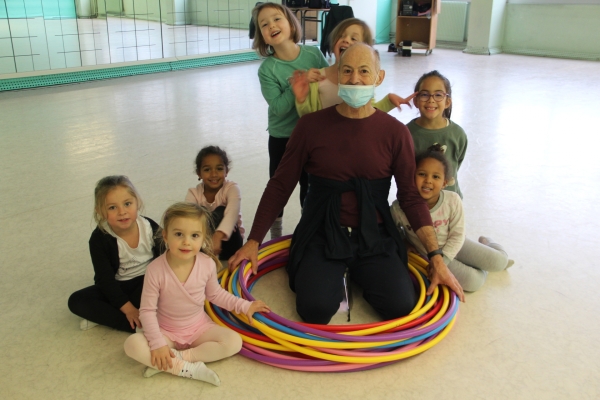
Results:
276 341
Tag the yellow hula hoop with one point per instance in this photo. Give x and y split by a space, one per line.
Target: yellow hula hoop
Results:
276 341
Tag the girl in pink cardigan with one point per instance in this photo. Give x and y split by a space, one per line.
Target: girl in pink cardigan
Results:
179 337
221 197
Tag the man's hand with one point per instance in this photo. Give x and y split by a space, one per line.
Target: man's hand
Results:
439 274
249 252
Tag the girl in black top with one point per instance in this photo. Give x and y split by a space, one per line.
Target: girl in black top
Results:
121 247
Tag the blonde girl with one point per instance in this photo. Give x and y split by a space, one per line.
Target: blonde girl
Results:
179 337
121 247
315 96
278 34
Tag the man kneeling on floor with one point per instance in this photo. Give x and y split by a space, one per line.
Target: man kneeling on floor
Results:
350 152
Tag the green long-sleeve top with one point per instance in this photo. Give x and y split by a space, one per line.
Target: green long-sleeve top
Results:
274 77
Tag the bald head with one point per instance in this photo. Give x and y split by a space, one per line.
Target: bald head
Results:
359 65
364 52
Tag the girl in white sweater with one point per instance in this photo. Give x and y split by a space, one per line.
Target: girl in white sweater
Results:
469 261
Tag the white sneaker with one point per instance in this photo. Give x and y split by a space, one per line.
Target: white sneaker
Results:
85 324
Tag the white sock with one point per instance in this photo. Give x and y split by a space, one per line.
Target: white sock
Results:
85 324
485 240
200 372
149 372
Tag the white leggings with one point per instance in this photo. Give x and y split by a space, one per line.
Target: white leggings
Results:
473 262
214 344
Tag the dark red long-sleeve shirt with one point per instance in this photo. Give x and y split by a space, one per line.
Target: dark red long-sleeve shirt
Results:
332 146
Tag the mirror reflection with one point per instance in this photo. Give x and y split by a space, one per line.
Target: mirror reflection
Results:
37 35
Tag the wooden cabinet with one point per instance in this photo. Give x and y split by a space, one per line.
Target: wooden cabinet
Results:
418 29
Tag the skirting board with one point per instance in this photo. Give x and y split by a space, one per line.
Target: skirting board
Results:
485 51
64 78
443 44
553 54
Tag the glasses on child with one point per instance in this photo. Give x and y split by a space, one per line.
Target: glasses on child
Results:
437 96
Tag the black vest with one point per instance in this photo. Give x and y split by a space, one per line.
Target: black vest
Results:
322 211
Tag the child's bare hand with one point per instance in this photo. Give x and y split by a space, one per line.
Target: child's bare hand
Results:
132 314
161 358
299 83
217 242
398 101
257 306
314 75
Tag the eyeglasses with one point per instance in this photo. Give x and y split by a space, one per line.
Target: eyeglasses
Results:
437 96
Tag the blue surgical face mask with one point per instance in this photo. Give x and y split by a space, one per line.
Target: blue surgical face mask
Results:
356 96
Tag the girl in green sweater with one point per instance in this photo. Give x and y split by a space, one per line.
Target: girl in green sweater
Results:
278 34
433 126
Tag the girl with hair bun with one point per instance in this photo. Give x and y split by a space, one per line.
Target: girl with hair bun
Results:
469 261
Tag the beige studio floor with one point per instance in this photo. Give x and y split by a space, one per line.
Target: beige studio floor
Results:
531 179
